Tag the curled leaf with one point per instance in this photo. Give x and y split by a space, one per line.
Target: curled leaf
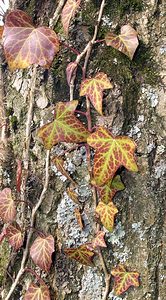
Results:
70 71
107 214
25 45
126 42
36 292
82 254
123 279
68 13
65 128
79 218
41 252
93 88
7 206
73 195
111 153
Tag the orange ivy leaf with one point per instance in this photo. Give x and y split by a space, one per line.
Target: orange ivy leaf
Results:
107 214
7 206
111 153
126 42
14 236
99 240
68 12
79 218
25 45
70 70
93 88
18 175
108 191
65 128
73 195
124 279
82 254
41 252
36 292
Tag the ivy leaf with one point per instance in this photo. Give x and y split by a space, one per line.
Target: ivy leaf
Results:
70 70
41 252
7 206
25 45
18 175
111 153
65 128
81 254
107 214
99 240
108 191
126 42
14 236
124 279
68 12
93 88
36 292
3 234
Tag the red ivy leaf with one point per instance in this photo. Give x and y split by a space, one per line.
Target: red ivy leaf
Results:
70 70
111 153
36 292
41 252
99 240
124 279
18 175
81 254
68 13
25 45
93 88
14 236
107 214
108 191
65 128
126 42
7 206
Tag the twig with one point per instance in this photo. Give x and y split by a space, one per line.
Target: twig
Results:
56 15
27 141
33 217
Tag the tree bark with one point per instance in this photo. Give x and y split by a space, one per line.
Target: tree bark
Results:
134 107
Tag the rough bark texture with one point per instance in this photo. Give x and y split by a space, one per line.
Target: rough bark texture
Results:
134 107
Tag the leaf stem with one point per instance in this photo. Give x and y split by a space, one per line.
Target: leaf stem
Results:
40 280
75 51
33 217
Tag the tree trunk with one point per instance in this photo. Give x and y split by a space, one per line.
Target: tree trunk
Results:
134 107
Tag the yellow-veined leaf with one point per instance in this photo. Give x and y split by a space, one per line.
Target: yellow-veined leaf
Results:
41 252
123 279
126 42
108 191
14 236
36 292
68 12
65 128
7 206
111 153
25 45
93 88
81 254
107 214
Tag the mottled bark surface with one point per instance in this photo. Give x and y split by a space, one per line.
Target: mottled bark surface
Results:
134 107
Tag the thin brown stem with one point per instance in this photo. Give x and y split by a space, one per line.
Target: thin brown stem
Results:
33 217
27 141
35 274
